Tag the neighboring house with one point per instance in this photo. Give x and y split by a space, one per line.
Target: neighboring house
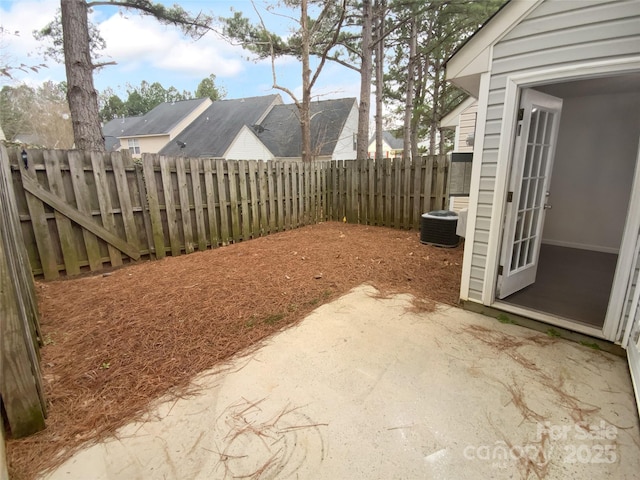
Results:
114 129
391 146
212 133
558 89
334 126
153 130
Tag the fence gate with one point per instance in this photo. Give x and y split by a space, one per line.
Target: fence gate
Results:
20 381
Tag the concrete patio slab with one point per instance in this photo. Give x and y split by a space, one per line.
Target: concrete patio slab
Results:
367 388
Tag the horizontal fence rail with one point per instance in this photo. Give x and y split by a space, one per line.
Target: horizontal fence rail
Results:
82 211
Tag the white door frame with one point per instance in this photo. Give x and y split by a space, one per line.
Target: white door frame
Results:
514 84
633 321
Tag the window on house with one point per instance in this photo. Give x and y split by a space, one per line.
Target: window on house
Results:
134 146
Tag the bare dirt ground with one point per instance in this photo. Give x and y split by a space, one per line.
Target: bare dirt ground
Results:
116 343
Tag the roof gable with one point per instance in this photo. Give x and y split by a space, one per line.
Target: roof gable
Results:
393 142
213 131
280 130
451 119
474 56
163 118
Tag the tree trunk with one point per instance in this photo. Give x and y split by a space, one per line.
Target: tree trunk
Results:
408 106
419 88
362 143
81 94
435 111
305 115
380 14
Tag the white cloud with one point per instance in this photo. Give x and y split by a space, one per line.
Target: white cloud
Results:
25 17
138 42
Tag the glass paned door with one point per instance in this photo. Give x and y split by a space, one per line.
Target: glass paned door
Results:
532 161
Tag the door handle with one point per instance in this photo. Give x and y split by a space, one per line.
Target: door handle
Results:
547 206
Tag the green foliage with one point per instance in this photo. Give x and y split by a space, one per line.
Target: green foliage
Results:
193 25
112 107
502 318
146 96
552 332
443 26
263 43
207 88
591 345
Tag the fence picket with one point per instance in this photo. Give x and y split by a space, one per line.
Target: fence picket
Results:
118 163
185 209
196 188
417 178
170 206
83 202
44 241
225 236
295 201
279 198
63 224
234 201
440 183
104 202
253 189
264 197
287 195
154 204
212 216
244 199
272 196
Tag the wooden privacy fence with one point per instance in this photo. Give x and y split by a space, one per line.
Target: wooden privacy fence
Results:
21 391
86 211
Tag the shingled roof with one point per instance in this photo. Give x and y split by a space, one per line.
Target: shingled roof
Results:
213 131
116 128
390 139
280 130
163 118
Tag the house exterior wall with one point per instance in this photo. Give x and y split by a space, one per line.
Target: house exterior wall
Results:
345 146
246 146
152 144
466 127
556 33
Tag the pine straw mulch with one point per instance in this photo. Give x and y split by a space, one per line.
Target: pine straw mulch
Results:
116 343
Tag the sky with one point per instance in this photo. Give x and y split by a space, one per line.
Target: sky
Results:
146 50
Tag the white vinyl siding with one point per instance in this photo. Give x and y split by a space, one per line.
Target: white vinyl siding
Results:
556 33
345 148
466 127
246 146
